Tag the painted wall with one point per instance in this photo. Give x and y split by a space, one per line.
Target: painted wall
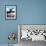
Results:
28 12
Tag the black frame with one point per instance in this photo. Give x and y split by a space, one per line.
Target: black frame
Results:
15 10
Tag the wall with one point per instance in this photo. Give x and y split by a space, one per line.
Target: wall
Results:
33 12
28 12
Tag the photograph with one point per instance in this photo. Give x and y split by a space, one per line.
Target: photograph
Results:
10 12
32 32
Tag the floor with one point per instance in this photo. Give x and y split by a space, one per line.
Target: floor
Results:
30 43
7 45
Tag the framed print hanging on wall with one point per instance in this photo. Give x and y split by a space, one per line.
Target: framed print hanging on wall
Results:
10 12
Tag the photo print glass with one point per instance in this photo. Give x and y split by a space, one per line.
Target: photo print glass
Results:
10 12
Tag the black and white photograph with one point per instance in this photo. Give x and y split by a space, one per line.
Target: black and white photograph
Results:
10 12
29 34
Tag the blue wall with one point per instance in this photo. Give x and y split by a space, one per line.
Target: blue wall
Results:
28 12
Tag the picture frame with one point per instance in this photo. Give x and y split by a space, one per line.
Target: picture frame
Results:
33 29
10 12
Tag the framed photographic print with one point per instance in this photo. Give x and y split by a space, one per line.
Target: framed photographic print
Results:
10 12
